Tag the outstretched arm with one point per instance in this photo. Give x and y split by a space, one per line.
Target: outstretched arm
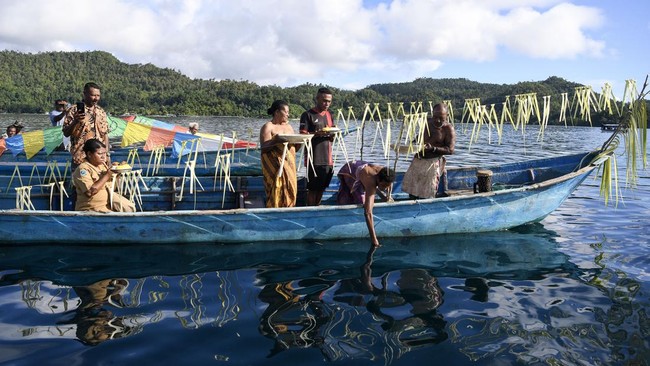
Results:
369 184
367 210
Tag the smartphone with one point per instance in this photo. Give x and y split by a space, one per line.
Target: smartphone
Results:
80 107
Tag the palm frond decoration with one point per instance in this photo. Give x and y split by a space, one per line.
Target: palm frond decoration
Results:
498 124
563 108
584 100
632 131
506 114
450 110
470 111
546 113
606 99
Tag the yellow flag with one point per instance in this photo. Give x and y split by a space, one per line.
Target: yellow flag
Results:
34 142
134 133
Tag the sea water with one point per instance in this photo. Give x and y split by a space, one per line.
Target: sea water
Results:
571 290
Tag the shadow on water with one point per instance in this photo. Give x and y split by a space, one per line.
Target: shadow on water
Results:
466 293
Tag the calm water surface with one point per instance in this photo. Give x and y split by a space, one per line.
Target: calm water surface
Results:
571 290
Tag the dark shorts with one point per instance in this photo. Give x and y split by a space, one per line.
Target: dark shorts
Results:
322 179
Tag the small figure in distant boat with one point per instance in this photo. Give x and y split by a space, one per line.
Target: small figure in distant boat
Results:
278 158
56 118
359 182
427 170
84 124
92 181
314 121
193 128
10 132
19 127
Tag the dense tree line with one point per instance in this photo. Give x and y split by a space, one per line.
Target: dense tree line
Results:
29 83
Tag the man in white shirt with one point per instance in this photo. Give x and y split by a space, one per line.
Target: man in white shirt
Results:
56 117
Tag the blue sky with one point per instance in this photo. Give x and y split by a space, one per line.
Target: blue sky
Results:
349 43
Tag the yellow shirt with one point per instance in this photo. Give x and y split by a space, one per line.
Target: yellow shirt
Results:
83 178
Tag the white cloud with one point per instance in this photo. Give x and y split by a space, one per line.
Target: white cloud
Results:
295 41
557 33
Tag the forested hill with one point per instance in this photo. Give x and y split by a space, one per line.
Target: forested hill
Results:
29 83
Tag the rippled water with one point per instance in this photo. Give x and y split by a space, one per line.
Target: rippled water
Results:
572 290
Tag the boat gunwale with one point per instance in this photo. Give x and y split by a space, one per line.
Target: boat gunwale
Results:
235 211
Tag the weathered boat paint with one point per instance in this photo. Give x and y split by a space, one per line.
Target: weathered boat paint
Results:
532 190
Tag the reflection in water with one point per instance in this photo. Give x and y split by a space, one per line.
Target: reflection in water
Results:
84 312
195 312
423 325
404 318
293 320
508 295
417 294
95 323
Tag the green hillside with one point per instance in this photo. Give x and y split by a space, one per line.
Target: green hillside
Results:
29 83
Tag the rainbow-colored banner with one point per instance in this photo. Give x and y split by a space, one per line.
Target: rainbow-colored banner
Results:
133 130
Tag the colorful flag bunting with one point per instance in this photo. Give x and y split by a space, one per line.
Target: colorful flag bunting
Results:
53 138
15 144
136 130
34 142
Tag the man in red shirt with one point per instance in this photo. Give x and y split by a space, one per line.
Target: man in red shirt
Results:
312 122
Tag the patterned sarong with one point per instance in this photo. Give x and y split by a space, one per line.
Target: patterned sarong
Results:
281 191
422 177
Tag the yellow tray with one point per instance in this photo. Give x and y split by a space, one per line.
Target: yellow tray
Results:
121 170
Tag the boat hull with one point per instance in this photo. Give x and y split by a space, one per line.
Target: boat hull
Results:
490 211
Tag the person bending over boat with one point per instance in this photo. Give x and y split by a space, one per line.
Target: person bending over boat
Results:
427 170
278 158
359 181
92 181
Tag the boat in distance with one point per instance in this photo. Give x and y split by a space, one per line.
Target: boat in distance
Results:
522 193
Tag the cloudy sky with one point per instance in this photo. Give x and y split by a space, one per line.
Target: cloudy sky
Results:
348 43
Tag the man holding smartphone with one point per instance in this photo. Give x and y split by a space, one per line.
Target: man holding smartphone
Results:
84 121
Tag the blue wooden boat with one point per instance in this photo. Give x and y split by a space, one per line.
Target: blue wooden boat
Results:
523 192
157 193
